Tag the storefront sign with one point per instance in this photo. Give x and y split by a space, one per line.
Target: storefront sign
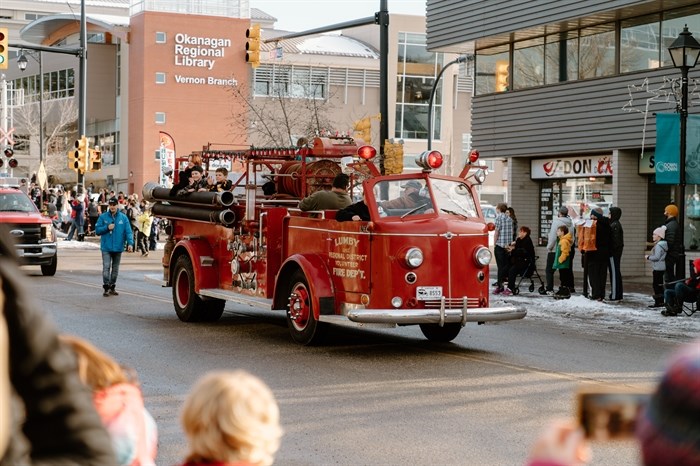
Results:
667 157
571 167
647 162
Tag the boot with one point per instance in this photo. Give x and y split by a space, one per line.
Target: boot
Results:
112 291
81 237
106 292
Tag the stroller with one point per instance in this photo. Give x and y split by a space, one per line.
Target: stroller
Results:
530 273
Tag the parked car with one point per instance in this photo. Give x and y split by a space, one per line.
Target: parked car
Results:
489 212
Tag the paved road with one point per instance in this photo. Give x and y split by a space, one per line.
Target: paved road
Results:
369 396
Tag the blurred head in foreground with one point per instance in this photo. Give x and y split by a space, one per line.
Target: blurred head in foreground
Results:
669 428
231 417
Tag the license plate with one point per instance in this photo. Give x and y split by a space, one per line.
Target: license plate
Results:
424 293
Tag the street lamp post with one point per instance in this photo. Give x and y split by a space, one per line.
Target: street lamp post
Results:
684 52
22 64
460 59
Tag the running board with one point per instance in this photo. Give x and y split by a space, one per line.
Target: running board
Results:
252 301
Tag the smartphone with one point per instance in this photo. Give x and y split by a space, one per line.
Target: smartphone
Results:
610 415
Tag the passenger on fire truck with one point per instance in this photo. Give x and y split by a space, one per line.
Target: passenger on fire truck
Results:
197 183
220 182
336 198
354 212
410 197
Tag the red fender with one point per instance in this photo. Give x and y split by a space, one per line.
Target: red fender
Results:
202 257
317 274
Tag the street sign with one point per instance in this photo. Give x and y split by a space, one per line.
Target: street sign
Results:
41 176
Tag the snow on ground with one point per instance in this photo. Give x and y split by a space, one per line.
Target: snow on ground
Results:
87 244
631 316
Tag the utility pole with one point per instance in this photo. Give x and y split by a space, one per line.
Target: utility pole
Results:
82 101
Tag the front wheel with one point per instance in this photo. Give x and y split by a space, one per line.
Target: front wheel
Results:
444 334
302 323
49 270
188 305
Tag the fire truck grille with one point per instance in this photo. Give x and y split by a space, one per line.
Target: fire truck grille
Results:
451 303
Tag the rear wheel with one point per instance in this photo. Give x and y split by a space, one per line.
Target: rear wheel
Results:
49 270
188 305
302 323
434 332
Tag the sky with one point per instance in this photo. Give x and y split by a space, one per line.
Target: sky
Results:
300 15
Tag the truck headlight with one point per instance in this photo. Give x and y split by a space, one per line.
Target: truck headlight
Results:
47 233
414 257
482 256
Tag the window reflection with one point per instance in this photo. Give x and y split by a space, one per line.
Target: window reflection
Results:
528 60
597 51
639 44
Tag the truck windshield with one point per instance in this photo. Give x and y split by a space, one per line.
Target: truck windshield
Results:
16 202
405 198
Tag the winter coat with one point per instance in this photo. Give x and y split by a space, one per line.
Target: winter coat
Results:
657 257
617 235
113 241
131 427
556 223
603 238
562 255
77 216
673 238
523 253
586 236
358 208
53 420
145 221
325 200
195 187
225 185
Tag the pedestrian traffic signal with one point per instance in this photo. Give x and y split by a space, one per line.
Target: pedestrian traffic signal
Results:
502 76
252 45
95 164
78 161
363 130
4 48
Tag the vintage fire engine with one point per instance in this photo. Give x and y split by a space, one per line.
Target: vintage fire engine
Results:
425 264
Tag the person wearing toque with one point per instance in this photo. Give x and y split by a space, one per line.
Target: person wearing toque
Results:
410 197
114 229
674 270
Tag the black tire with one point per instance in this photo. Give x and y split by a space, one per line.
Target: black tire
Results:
49 270
302 323
542 290
531 288
434 332
189 307
516 290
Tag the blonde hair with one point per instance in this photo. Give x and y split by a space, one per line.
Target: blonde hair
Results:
231 417
96 369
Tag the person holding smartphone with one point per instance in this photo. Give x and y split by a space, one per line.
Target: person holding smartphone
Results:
114 229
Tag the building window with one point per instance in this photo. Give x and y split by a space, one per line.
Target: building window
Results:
528 64
160 78
561 57
597 51
672 25
416 72
160 38
33 16
57 85
640 44
160 118
299 82
487 63
109 145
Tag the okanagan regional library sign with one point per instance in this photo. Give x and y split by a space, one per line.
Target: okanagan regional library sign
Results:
201 53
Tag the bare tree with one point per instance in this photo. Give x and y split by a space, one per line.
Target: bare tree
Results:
60 118
294 107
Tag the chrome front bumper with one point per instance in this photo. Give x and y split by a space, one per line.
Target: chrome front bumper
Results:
438 316
36 254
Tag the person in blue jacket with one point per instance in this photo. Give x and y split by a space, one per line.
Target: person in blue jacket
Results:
115 229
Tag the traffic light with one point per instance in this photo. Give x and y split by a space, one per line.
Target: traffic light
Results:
4 48
9 152
77 159
393 157
95 159
502 78
363 130
252 45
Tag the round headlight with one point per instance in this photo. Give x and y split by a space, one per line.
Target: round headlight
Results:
414 257
482 256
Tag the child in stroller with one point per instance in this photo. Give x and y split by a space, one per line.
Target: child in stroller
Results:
523 262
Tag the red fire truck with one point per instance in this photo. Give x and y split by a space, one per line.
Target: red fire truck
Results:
423 265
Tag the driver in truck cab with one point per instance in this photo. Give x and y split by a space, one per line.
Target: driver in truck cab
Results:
410 197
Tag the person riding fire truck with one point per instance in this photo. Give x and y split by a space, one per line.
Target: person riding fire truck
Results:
425 264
